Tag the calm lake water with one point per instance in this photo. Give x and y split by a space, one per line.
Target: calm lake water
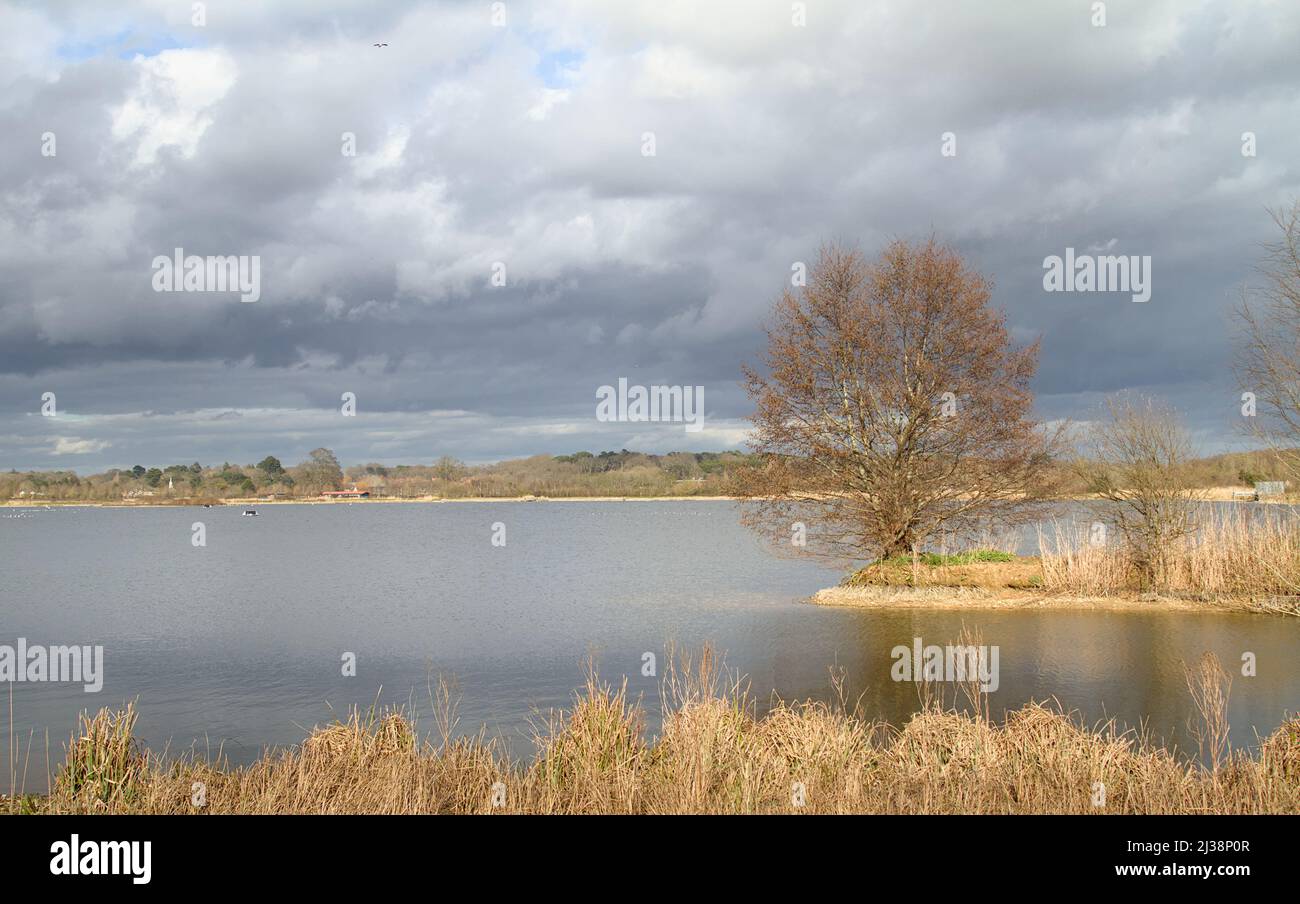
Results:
239 643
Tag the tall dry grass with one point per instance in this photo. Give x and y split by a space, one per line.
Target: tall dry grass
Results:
105 766
713 755
1209 684
1229 554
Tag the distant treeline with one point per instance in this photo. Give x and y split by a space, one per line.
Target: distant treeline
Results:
621 473
1231 469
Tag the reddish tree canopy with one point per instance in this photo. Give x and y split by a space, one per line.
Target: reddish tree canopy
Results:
892 407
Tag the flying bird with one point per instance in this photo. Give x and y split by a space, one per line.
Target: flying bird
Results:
381 45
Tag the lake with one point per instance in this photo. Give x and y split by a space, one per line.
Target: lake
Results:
239 643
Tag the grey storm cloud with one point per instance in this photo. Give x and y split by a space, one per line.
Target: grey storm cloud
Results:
521 145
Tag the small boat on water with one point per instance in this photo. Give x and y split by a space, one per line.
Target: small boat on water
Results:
250 513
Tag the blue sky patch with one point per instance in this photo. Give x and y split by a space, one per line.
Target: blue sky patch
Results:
125 45
557 67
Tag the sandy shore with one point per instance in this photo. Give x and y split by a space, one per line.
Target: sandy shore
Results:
980 598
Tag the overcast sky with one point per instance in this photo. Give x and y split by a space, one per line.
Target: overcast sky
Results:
523 144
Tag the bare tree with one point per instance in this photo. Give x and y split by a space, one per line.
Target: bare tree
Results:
893 407
447 468
1268 356
1135 458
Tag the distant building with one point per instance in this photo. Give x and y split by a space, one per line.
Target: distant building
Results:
353 493
1270 488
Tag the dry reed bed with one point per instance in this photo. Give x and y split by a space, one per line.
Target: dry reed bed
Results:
1230 555
712 756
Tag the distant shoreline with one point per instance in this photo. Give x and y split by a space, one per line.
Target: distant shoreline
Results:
1207 494
177 503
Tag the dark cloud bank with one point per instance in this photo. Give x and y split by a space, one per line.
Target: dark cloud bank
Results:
522 145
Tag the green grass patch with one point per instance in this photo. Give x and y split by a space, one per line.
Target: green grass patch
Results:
935 560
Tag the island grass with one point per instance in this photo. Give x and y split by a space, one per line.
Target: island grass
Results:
1235 561
988 568
713 755
937 560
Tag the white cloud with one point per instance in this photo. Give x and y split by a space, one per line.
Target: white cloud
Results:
172 99
72 445
547 99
